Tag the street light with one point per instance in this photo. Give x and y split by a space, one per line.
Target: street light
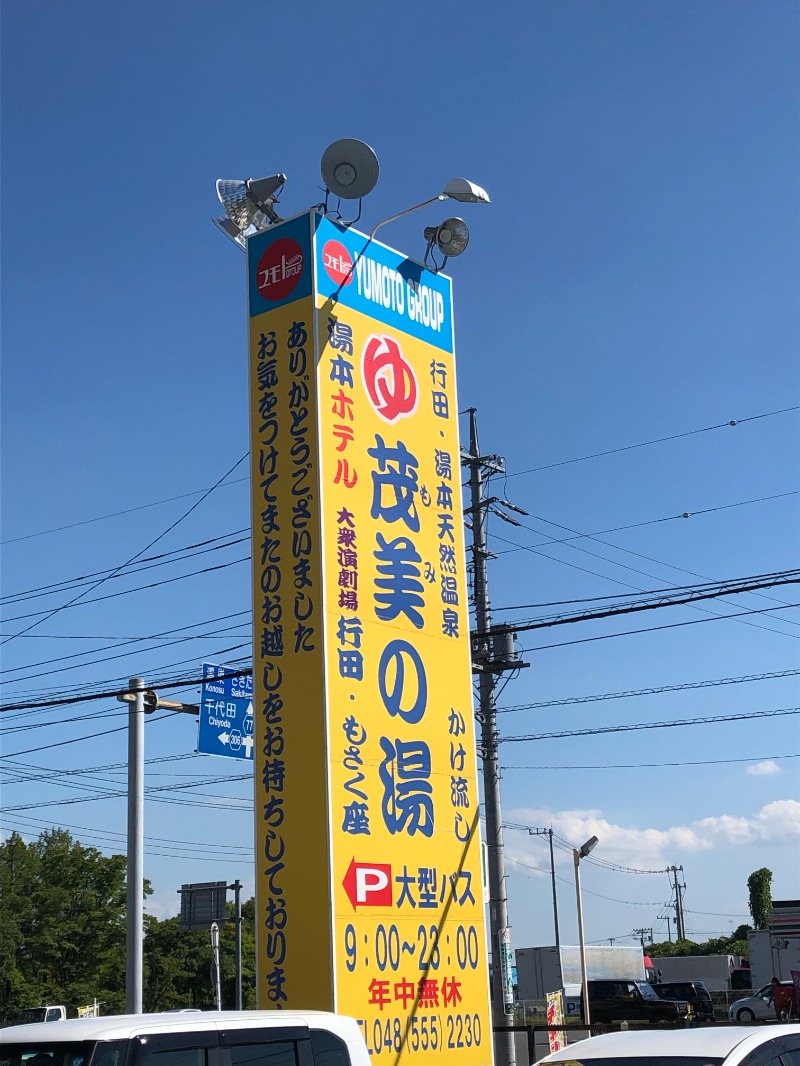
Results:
466 192
577 855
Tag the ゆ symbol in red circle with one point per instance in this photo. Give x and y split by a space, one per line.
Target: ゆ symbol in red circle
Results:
388 378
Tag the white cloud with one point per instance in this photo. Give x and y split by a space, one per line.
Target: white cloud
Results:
765 768
777 823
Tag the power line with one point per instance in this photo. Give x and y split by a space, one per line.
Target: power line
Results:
704 592
40 699
519 473
133 558
122 642
616 581
118 514
113 693
566 845
119 655
647 765
115 595
151 720
657 629
644 596
633 727
572 700
638 525
154 840
151 561
658 440
566 881
638 570
154 845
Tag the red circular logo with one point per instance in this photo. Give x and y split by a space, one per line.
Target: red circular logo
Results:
388 378
279 269
337 262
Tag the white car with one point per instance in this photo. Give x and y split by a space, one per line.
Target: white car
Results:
777 1045
204 1038
757 1006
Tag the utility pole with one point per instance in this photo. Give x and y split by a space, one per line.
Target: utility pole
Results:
666 918
680 929
549 833
141 702
640 933
493 654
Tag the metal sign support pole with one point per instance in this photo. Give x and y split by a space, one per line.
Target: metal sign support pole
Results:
135 872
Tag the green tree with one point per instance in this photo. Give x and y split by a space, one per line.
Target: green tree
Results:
176 966
759 885
62 924
735 944
177 963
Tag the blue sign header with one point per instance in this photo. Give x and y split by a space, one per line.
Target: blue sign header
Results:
279 267
381 283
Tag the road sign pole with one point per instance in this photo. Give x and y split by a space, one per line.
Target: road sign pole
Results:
139 703
135 912
237 889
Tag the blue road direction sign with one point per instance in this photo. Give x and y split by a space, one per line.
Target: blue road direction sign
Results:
226 713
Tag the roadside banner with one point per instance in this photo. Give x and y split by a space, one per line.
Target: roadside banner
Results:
369 890
555 1017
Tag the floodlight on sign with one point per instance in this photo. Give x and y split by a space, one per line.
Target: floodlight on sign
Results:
251 202
230 229
451 238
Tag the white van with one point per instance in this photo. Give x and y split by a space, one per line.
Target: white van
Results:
203 1038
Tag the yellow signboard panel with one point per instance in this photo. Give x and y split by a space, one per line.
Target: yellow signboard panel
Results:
368 841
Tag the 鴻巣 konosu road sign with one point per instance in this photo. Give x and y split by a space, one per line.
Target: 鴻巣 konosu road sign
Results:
226 713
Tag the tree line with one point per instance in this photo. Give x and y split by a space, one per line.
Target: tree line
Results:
62 936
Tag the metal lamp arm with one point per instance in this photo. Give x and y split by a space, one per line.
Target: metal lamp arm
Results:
408 211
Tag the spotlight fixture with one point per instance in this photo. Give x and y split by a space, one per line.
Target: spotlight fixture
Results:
451 237
230 229
249 203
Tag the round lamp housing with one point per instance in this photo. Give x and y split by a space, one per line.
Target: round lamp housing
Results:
349 168
451 236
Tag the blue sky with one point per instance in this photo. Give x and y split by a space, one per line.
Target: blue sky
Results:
635 278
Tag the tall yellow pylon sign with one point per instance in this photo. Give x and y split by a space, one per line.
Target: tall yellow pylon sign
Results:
368 867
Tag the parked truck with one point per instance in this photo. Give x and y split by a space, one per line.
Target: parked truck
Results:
28 1015
772 955
547 969
715 971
